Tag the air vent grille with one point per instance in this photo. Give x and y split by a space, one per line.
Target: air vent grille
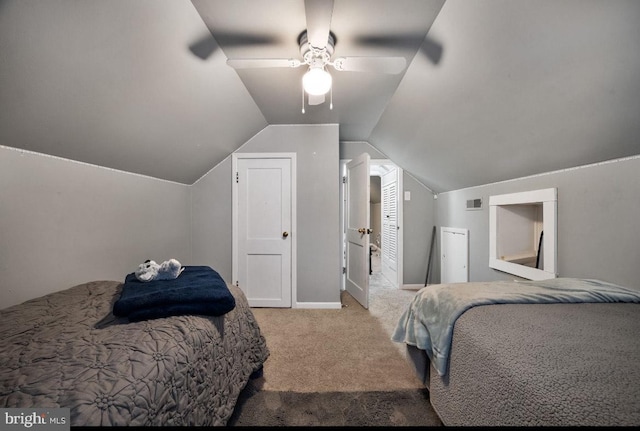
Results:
474 204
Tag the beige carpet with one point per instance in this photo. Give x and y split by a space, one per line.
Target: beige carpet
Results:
336 367
341 350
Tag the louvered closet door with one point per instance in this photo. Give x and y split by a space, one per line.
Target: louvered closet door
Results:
390 227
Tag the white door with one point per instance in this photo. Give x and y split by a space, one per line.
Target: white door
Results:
357 229
263 228
454 255
390 227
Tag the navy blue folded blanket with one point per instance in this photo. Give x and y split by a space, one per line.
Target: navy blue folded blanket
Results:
197 290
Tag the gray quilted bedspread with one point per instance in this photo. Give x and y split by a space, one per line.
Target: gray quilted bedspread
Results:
543 365
66 349
429 320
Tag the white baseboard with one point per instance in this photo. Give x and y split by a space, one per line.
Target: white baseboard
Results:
412 286
319 305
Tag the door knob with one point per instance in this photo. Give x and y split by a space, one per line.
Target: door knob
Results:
285 234
362 230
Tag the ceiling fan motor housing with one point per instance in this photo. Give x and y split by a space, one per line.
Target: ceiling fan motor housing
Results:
317 44
316 56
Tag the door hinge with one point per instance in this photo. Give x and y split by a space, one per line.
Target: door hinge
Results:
237 283
344 180
237 176
344 269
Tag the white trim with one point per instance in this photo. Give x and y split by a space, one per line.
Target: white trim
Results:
400 209
591 165
549 200
294 217
63 159
413 286
318 305
532 196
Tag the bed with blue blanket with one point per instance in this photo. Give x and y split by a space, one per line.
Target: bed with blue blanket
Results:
197 290
171 352
558 352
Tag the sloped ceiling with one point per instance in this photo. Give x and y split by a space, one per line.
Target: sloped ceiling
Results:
113 83
522 86
270 29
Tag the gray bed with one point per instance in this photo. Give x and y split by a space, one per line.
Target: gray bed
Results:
557 363
66 349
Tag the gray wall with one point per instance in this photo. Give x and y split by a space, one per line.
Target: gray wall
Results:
351 149
318 240
598 221
418 216
211 219
64 223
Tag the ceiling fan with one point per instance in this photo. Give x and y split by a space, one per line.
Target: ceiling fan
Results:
317 44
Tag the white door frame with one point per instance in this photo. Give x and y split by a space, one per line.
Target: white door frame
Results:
399 172
234 218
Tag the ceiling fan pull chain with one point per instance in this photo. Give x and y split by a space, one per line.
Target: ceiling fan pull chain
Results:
303 99
331 98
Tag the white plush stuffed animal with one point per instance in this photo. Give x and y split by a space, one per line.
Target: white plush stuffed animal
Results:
169 270
147 271
150 270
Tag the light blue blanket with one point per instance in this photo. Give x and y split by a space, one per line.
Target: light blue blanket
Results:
429 320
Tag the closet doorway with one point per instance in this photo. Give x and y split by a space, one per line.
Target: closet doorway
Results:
264 227
385 220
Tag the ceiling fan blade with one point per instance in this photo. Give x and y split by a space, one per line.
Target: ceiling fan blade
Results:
241 39
316 100
251 63
318 14
430 47
389 65
204 47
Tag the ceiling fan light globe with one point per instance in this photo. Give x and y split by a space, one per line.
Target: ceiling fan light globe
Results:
316 81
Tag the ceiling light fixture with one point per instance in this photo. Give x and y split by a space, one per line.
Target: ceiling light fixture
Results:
316 81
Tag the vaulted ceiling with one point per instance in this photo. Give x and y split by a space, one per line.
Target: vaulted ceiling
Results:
520 87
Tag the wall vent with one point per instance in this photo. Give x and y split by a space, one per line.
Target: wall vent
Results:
474 204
